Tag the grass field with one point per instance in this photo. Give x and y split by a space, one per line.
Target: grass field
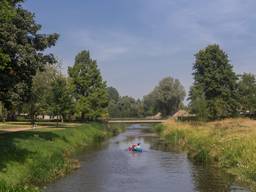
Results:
230 143
35 157
12 126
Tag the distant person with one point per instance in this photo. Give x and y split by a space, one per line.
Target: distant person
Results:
135 147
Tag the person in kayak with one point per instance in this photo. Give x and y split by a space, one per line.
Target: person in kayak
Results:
135 147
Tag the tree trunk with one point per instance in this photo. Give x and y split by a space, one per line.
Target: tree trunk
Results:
82 116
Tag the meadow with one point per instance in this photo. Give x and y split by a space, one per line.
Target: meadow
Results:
229 143
32 158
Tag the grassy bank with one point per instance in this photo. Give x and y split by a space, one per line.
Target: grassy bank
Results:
231 144
36 157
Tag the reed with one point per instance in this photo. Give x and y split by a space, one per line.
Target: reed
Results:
230 143
30 159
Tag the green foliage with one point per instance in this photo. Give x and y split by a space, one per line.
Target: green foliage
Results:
175 137
126 107
198 105
88 86
247 93
229 144
61 101
21 48
38 101
149 103
6 11
214 84
6 188
158 128
166 98
38 157
2 112
113 94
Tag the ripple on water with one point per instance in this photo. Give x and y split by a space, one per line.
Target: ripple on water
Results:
113 169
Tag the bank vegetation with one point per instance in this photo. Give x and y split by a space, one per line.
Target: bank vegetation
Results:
31 159
229 143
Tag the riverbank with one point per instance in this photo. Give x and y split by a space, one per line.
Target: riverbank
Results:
231 144
30 159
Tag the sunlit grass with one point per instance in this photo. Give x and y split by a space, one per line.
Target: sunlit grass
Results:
12 126
230 143
36 157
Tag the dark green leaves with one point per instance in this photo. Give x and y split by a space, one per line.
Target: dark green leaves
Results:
214 91
247 93
166 97
88 87
21 47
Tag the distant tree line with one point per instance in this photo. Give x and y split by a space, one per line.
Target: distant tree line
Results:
167 97
217 92
32 83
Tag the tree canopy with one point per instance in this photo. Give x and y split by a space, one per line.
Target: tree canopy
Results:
214 87
21 47
89 88
166 97
247 93
113 94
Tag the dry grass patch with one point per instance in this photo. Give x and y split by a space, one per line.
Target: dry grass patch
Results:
231 143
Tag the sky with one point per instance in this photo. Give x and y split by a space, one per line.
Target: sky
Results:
138 42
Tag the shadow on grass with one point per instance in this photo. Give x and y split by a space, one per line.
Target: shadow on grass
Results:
11 151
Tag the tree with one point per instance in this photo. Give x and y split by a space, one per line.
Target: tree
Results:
2 113
21 47
113 94
61 103
113 98
166 97
149 104
127 107
247 93
199 105
89 88
39 98
214 84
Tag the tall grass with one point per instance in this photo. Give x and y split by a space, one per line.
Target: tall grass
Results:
229 143
34 158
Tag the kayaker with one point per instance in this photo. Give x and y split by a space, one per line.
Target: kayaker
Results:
135 146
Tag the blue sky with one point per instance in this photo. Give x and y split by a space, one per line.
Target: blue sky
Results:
138 42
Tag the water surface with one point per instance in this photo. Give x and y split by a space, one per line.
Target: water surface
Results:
111 168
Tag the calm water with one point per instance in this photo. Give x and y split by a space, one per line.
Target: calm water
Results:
111 168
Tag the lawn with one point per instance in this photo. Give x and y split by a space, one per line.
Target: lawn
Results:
29 159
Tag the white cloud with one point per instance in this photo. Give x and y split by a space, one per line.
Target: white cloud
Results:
169 34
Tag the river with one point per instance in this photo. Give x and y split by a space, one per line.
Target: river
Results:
111 168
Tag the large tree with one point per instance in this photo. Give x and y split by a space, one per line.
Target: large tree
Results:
247 93
214 90
21 48
166 98
89 88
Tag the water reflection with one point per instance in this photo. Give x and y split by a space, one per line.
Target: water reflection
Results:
111 168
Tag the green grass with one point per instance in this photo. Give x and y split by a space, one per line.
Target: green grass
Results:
36 157
231 144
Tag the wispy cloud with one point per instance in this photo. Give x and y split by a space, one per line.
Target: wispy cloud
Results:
136 43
